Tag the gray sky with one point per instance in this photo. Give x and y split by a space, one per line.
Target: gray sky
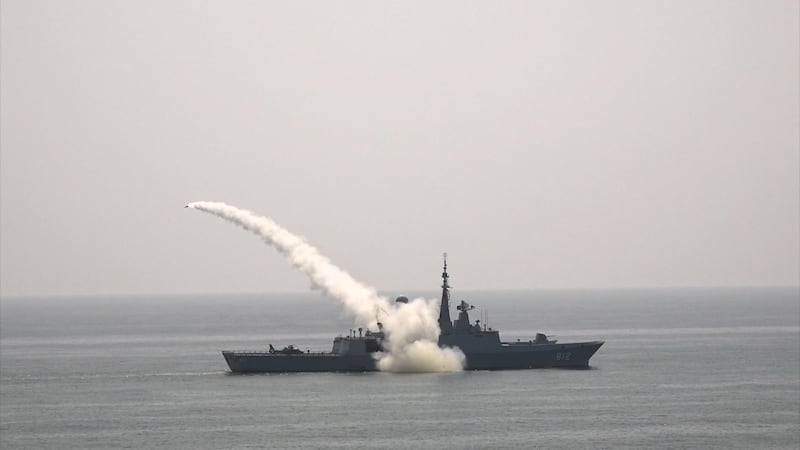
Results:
541 144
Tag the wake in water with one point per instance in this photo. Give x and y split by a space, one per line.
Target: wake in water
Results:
411 329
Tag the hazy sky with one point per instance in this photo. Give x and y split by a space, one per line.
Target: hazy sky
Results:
541 144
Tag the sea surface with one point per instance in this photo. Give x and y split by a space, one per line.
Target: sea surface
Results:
680 368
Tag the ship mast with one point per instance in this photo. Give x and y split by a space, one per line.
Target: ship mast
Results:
445 324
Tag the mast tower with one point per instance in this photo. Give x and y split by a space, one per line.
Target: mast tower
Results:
445 324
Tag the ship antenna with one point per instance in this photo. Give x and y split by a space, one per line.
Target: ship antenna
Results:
445 325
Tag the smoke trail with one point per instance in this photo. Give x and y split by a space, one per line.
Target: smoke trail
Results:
411 329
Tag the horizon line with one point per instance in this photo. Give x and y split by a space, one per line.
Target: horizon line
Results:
395 291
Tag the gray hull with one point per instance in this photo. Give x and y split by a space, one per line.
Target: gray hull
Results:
261 362
538 356
573 355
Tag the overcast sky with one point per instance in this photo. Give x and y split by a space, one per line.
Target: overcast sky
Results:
541 144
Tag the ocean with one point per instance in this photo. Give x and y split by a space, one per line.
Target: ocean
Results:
680 368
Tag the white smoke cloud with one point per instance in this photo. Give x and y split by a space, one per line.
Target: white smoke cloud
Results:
412 334
412 330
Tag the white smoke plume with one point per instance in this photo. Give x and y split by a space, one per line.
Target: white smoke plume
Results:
412 333
412 330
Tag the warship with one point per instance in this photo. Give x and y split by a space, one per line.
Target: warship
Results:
359 351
